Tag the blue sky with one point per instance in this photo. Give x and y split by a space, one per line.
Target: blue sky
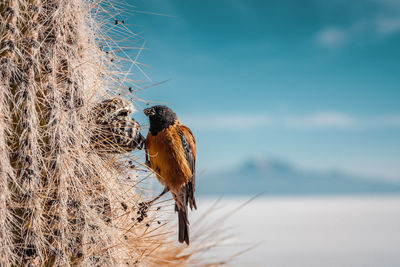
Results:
313 82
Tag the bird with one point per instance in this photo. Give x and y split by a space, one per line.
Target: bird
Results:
171 153
115 131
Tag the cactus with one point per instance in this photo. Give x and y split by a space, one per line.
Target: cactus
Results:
52 180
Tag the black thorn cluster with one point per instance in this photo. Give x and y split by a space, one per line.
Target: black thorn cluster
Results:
117 22
142 212
131 165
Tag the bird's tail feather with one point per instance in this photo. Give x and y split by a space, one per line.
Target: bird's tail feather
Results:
183 225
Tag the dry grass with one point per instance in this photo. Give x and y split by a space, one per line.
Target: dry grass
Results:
62 202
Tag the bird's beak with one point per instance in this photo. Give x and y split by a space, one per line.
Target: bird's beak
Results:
149 111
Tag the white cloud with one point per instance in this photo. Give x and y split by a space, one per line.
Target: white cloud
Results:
321 120
385 121
331 37
389 5
359 31
340 120
388 25
312 121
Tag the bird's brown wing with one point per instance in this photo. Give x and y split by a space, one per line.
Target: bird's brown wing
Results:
189 148
167 158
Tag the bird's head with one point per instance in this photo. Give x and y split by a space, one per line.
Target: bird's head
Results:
160 117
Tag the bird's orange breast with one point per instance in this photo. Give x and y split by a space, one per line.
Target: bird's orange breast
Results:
167 158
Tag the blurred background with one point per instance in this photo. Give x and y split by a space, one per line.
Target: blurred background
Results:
295 100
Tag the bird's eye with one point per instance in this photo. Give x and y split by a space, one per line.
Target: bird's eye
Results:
123 113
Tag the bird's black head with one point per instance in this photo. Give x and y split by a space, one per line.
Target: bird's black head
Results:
160 117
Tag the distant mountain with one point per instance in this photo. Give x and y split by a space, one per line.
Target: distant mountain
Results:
274 177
